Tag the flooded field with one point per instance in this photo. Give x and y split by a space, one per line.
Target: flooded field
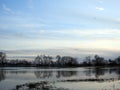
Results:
29 78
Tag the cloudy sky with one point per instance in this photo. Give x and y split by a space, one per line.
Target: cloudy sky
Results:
60 24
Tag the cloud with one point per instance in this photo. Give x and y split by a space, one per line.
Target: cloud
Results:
7 9
91 33
80 53
66 39
100 8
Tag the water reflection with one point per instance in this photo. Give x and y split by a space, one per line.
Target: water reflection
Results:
97 73
114 70
2 74
43 74
66 73
57 74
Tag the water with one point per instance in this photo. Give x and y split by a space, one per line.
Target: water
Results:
64 78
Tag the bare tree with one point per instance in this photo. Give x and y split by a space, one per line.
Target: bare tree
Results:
2 57
58 57
98 60
88 61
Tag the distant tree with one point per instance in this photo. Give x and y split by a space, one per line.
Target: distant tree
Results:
88 61
2 58
50 61
117 60
37 60
98 61
43 60
68 61
58 57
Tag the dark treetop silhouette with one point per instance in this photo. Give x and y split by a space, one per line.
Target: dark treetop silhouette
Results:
59 61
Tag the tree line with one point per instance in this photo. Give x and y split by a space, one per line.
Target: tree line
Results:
44 60
59 61
100 61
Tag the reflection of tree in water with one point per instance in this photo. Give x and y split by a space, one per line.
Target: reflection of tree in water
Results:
2 74
43 74
88 72
48 74
116 71
97 72
65 73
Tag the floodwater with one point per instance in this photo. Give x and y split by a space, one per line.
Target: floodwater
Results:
84 78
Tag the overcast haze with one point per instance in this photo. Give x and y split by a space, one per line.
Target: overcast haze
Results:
75 27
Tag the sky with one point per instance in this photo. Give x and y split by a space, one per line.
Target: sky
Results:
92 25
